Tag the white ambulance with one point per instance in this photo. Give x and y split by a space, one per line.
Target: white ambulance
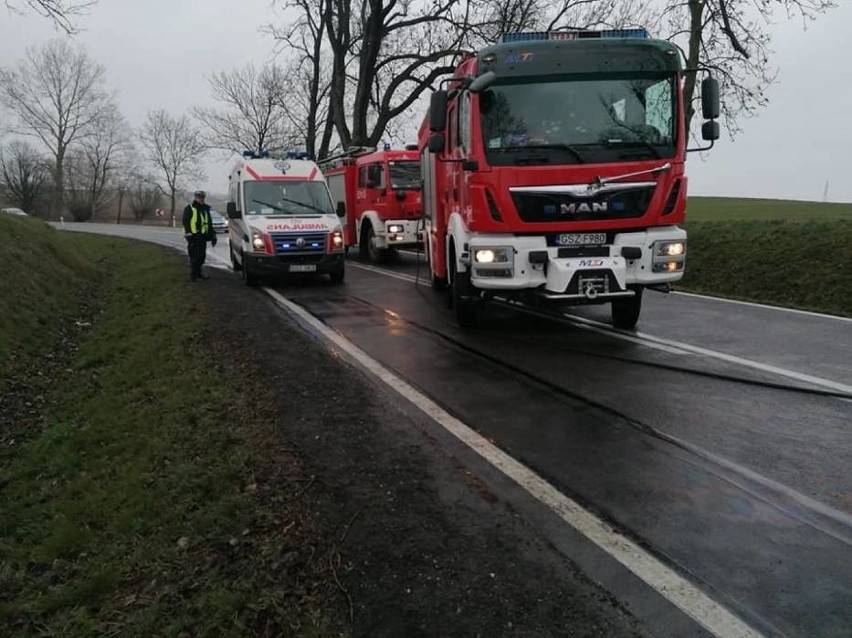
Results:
282 220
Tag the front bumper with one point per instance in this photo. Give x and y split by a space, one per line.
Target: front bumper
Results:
575 273
405 233
294 264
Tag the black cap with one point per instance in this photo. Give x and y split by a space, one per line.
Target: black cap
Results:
200 194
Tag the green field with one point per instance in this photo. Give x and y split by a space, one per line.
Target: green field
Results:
130 502
734 209
785 253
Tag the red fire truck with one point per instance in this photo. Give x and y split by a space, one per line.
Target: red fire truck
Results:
553 172
378 195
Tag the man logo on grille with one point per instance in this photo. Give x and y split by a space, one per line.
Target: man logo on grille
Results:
300 242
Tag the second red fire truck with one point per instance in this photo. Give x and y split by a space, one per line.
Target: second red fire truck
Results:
377 193
553 172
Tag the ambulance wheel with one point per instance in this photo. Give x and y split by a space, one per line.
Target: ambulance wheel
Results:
625 312
237 266
337 276
249 278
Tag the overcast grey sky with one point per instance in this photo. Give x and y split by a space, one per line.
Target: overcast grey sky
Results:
157 54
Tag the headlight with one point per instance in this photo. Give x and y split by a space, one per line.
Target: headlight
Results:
336 239
258 241
670 249
395 228
492 255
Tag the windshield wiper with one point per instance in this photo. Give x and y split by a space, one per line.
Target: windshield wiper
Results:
272 206
553 147
291 201
635 143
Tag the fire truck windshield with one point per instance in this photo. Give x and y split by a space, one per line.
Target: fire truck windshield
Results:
405 174
575 121
287 198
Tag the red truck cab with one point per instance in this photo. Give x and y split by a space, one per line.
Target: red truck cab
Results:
378 194
553 172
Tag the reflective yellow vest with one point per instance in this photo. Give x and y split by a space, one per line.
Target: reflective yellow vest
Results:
198 223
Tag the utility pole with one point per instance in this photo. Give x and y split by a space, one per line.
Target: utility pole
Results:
825 192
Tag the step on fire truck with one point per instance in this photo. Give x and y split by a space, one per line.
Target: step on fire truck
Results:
282 220
378 195
553 172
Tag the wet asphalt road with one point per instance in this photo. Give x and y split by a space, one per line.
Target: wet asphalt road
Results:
711 436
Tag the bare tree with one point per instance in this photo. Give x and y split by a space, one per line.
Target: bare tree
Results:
57 93
144 195
253 116
61 12
174 148
25 176
308 77
729 37
92 167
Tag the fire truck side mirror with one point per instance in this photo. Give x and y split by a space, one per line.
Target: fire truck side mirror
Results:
436 143
710 131
341 209
231 210
710 107
438 111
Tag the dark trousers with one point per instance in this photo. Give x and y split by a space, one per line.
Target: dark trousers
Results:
197 249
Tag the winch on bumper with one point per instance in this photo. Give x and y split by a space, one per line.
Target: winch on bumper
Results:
577 273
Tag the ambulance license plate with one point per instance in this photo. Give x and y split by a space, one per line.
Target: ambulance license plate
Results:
580 239
303 267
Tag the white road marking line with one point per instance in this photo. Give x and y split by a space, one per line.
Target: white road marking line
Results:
752 304
708 613
729 358
667 345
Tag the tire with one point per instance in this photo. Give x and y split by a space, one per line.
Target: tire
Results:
438 283
625 312
237 266
369 251
337 276
466 309
249 278
458 297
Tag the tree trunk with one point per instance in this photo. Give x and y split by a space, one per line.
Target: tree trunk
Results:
173 206
696 14
120 200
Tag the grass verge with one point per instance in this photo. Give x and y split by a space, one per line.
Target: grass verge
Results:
157 498
731 209
806 265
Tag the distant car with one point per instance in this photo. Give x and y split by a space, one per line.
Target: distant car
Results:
220 224
13 211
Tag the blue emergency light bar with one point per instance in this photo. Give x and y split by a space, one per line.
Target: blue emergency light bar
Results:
256 154
606 34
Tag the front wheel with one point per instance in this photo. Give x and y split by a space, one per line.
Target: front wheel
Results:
237 266
625 312
249 278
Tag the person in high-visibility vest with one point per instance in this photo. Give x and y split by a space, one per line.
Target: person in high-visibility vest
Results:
198 230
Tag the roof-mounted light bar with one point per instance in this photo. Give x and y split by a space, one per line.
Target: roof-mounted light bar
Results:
575 34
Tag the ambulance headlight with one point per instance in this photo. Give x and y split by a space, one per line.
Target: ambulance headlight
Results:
336 239
501 255
257 241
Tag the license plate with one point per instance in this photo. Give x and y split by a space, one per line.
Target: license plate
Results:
303 267
580 239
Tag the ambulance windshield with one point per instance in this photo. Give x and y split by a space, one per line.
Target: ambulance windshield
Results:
287 198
